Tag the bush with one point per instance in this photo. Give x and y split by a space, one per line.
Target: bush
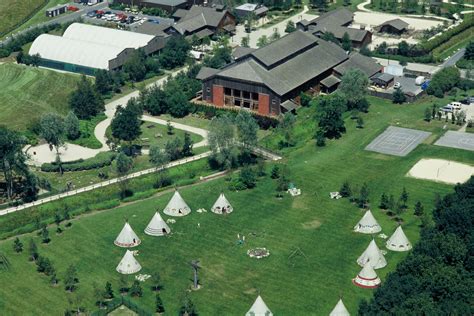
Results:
99 161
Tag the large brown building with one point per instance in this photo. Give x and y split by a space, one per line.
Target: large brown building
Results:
269 80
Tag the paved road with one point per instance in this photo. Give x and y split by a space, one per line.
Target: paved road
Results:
451 61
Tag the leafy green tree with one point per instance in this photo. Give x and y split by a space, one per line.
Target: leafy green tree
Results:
321 5
169 128
178 104
32 250
419 210
329 116
469 52
404 197
17 245
188 143
136 289
353 87
134 66
221 54
248 177
290 27
53 132
364 196
72 127
329 36
360 122
222 142
154 100
345 190
103 81
262 41
187 307
160 308
108 291
398 97
126 123
175 52
320 139
346 42
123 164
45 235
403 48
245 42
384 202
70 279
85 101
173 148
247 129
443 81
428 115
275 172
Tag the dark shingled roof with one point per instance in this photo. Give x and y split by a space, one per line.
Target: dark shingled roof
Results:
283 71
367 64
339 17
150 28
198 17
170 3
398 24
206 72
383 77
356 35
330 81
180 13
289 105
241 51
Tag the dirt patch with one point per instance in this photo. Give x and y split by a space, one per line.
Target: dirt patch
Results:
251 291
312 224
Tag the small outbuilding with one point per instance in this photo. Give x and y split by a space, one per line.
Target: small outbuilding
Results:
367 278
396 26
382 80
177 206
330 84
57 10
157 226
127 237
248 8
398 241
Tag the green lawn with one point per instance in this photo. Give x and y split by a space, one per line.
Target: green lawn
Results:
156 134
26 93
87 127
13 12
320 227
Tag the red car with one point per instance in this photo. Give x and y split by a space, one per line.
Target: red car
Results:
72 8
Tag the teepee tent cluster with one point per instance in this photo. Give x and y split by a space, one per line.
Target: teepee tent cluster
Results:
259 308
373 255
128 264
222 205
367 224
177 206
127 237
398 241
339 310
367 277
157 226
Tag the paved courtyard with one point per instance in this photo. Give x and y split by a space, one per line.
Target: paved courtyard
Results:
458 140
397 141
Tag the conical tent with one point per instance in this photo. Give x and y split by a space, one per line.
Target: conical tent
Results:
176 206
339 310
128 264
367 224
259 308
157 226
373 255
367 277
222 205
398 241
127 237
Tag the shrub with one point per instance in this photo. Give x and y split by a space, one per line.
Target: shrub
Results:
99 161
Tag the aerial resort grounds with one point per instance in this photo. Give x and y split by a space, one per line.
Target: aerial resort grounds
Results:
311 249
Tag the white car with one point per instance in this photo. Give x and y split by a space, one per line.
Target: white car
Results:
397 85
455 105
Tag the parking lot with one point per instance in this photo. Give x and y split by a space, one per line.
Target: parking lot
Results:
408 85
121 18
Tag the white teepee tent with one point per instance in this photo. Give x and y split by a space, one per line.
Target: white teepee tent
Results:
128 264
339 310
157 226
367 224
398 241
259 308
367 277
176 206
222 205
373 255
127 237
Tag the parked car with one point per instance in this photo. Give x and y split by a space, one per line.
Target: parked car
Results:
467 100
455 105
447 109
72 8
397 85
92 14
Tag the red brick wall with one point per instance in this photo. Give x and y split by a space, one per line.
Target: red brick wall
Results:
218 95
263 104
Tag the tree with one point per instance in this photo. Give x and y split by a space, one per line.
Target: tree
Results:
123 284
248 177
169 128
72 127
53 132
262 41
32 250
134 66
45 235
126 123
469 52
17 245
364 196
221 139
177 101
329 116
321 5
85 101
175 52
156 282
398 97
360 122
98 294
160 308
346 42
173 149
290 27
419 210
247 129
428 115
287 125
108 291
136 289
443 81
187 307
404 197
384 202
353 87
70 279
188 143
123 165
320 139
275 172
103 81
345 190
330 37
275 35
245 42
403 48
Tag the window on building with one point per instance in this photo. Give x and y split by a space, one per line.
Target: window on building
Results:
227 91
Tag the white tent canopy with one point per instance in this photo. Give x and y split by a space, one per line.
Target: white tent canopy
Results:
398 241
222 205
128 264
177 206
373 255
367 277
157 226
259 308
367 224
127 237
339 310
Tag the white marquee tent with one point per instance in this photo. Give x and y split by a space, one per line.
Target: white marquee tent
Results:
222 205
368 224
177 206
398 241
339 310
367 277
373 255
259 308
157 226
127 237
128 264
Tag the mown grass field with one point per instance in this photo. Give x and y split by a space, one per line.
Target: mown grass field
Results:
320 227
13 12
157 135
26 93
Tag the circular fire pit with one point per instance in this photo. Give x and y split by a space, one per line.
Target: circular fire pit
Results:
258 253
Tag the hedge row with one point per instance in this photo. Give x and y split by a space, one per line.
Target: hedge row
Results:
428 58
447 35
209 111
99 161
